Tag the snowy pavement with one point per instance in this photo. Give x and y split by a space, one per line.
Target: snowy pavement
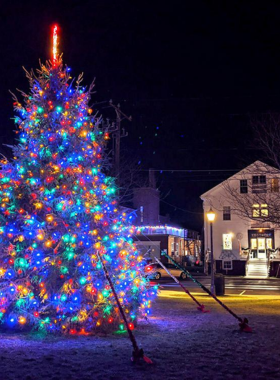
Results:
183 343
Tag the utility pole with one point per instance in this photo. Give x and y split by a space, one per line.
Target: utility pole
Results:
117 135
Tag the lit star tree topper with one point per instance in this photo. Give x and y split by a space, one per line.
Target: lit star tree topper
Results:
55 42
59 212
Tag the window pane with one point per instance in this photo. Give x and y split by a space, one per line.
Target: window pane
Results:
243 186
226 213
262 179
261 243
255 179
269 243
227 264
254 244
256 213
264 212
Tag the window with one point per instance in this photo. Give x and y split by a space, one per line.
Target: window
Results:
227 264
254 244
262 179
269 243
256 211
255 179
226 213
243 186
258 184
275 185
260 210
170 266
227 242
264 210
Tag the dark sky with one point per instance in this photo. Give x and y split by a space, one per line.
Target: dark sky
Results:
189 72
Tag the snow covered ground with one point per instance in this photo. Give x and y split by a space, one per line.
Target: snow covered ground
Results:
182 342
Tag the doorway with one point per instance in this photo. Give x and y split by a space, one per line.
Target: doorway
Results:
259 246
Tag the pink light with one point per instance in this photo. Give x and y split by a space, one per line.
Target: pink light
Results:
55 37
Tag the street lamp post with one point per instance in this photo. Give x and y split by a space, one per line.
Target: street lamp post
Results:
211 217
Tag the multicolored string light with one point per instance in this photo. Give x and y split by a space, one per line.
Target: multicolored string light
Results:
57 208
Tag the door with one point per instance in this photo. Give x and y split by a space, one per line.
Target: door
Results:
261 248
254 249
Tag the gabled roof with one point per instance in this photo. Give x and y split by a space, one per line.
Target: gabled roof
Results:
255 168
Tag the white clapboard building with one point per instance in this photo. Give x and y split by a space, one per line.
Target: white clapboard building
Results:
246 232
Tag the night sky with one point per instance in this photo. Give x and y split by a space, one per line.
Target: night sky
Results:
191 74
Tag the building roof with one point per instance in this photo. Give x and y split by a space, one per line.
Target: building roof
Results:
254 168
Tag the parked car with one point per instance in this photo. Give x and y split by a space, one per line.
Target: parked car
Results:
156 271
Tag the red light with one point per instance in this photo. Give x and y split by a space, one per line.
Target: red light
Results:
131 326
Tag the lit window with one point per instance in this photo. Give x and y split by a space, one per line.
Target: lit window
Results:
227 264
264 210
226 213
275 185
243 186
256 211
269 243
254 244
227 241
260 210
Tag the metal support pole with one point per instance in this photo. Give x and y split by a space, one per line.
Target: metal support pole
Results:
212 260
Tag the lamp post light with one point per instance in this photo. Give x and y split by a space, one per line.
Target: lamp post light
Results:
211 217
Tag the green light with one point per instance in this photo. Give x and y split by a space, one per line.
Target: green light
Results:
82 280
63 297
59 206
66 238
64 270
70 255
40 109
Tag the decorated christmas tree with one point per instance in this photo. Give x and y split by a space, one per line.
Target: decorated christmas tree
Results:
59 217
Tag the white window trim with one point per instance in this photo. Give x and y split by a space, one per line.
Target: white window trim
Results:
228 261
